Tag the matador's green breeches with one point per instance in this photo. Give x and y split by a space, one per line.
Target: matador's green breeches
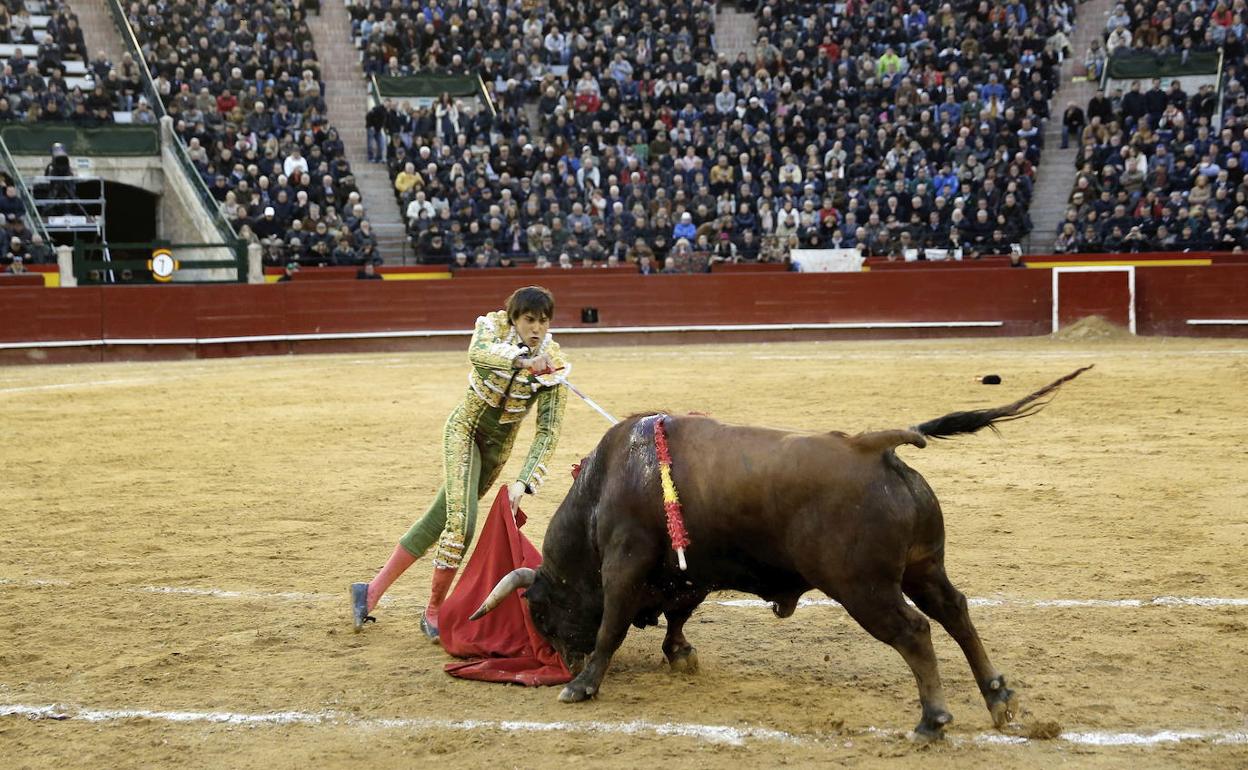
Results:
475 448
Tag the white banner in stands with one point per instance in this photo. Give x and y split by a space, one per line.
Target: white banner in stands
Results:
932 255
827 260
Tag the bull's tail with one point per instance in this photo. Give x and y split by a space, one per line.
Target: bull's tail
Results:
955 423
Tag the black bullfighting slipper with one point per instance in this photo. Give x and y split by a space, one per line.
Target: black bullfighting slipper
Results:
359 606
429 629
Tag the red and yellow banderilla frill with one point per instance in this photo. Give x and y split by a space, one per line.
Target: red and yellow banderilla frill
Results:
671 502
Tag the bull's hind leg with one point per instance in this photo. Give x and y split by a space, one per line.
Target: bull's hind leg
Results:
880 609
929 587
681 655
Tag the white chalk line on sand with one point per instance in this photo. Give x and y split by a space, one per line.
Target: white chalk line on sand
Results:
1159 601
308 596
891 353
723 734
710 733
81 384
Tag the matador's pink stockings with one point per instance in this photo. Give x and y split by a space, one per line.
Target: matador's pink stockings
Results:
399 561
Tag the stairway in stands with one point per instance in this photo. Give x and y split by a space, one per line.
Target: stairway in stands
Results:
735 32
99 29
1056 175
346 95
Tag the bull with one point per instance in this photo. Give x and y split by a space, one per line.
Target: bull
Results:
770 513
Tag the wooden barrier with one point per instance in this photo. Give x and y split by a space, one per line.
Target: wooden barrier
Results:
1168 299
537 273
177 321
881 263
20 279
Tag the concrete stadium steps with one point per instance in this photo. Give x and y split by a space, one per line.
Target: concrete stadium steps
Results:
346 96
392 242
735 32
1056 174
99 29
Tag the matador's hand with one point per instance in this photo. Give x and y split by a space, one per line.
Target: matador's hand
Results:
541 364
515 490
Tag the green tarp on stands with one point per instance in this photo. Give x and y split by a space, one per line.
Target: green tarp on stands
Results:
429 86
38 138
1137 65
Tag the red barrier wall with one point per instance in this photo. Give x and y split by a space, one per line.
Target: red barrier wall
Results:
1166 297
181 315
20 279
1106 294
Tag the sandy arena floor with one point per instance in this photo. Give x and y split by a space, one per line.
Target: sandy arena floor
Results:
178 540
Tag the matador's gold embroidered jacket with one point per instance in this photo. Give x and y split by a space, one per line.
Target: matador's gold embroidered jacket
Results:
495 344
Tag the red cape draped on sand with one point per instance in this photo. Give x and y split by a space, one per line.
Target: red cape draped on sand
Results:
503 646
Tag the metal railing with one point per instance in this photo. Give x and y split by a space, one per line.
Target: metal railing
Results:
32 218
201 189
374 91
158 106
85 265
132 46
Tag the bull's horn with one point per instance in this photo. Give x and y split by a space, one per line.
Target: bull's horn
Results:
521 577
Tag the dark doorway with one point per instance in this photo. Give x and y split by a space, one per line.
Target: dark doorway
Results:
130 216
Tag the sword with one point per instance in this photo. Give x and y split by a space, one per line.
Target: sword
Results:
589 401
564 380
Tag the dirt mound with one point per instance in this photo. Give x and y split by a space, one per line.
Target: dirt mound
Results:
1093 327
1044 730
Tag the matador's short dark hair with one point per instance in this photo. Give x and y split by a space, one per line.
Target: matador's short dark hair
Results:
531 299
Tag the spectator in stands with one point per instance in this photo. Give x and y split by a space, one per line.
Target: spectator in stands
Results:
654 117
242 79
267 227
39 253
11 202
16 265
685 228
374 124
343 252
1073 122
725 250
407 180
295 167
748 246
1154 173
16 250
369 271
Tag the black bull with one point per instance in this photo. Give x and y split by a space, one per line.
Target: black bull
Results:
769 513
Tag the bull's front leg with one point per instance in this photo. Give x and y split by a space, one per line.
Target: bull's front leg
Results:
622 581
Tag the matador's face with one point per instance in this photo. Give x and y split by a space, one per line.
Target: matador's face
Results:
532 329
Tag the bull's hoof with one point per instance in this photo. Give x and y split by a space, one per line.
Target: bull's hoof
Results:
574 692
1003 703
931 727
784 608
684 662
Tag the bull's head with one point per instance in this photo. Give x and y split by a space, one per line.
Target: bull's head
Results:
561 615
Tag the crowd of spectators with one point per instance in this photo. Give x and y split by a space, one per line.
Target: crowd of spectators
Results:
48 75
242 82
891 127
1155 171
19 246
